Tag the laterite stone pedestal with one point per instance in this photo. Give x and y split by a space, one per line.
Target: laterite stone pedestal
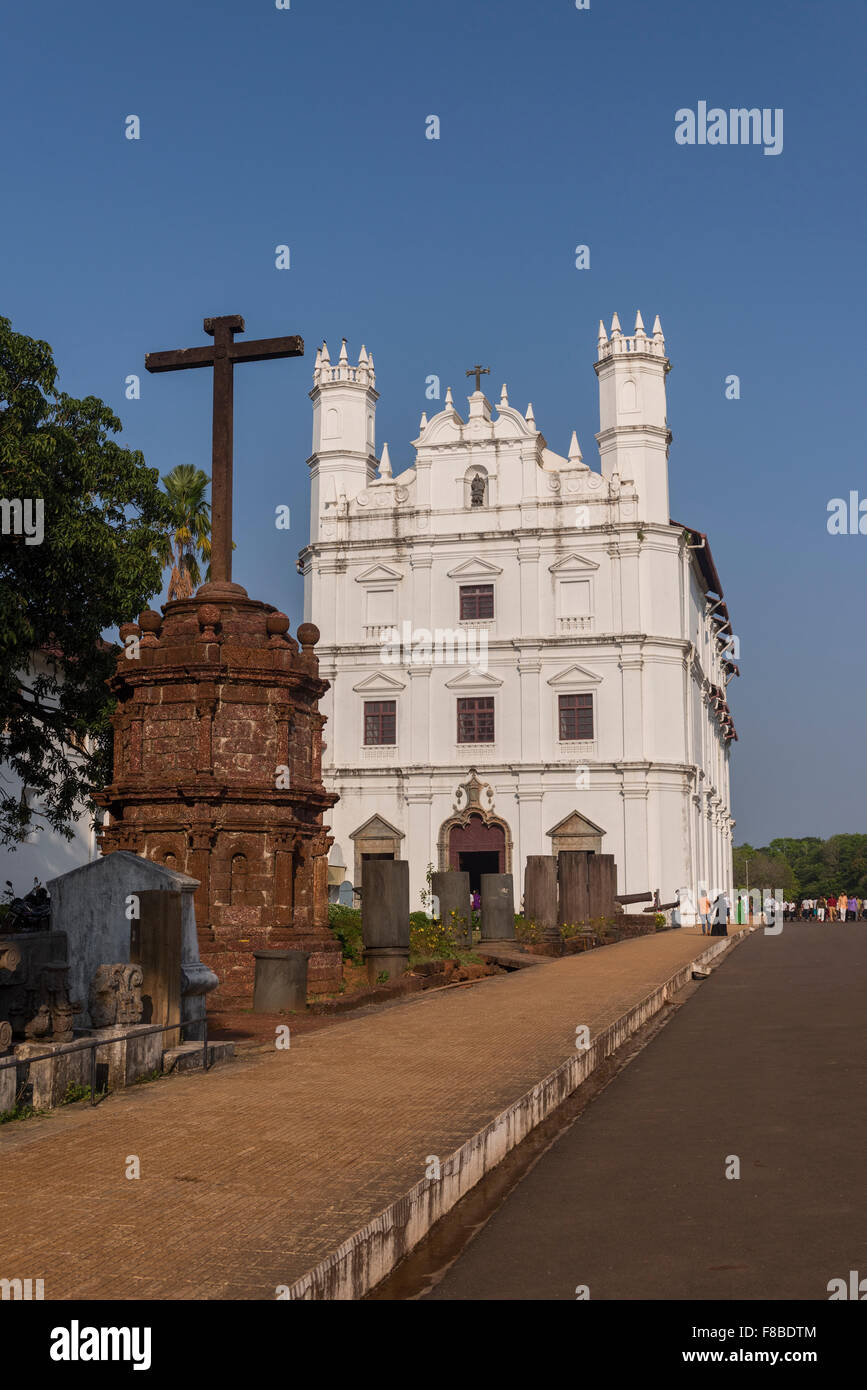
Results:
217 773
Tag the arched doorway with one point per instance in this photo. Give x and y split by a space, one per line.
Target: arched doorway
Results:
477 848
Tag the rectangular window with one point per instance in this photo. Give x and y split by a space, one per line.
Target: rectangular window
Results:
576 717
380 607
477 601
380 721
476 720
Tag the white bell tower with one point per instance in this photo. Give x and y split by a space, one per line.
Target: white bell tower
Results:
633 433
343 461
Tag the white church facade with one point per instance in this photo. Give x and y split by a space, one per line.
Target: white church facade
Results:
525 654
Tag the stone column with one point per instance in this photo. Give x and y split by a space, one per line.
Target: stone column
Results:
498 908
540 897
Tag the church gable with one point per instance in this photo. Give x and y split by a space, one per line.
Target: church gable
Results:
377 574
473 568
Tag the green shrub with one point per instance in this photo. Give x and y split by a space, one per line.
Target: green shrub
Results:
345 922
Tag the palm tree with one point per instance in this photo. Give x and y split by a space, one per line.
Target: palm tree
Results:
190 537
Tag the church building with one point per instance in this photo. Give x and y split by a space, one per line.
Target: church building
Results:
525 654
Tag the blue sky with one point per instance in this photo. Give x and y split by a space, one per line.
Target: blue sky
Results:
306 127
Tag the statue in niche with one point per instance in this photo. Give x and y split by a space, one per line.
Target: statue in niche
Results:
477 490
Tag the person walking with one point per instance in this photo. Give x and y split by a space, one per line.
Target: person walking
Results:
852 909
704 914
721 916
820 909
842 906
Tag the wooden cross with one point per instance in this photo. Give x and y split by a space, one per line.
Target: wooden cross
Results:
478 372
222 357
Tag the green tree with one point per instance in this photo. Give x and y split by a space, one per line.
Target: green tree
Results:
105 518
190 535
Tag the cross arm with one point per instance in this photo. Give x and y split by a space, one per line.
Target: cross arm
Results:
178 358
263 349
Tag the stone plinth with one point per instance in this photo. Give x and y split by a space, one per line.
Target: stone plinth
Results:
217 774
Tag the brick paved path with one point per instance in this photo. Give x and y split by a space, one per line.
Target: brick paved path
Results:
252 1174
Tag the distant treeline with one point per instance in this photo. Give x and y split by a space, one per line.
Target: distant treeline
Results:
808 868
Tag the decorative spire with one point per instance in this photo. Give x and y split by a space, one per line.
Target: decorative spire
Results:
529 416
344 357
385 463
326 360
449 400
370 361
639 322
603 336
422 424
575 449
318 363
362 356
657 329
615 325
504 395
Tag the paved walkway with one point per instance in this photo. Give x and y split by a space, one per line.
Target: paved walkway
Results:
765 1063
252 1174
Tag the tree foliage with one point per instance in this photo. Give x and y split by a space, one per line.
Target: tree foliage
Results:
190 535
806 868
105 518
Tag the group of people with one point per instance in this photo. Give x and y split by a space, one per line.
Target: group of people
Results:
839 908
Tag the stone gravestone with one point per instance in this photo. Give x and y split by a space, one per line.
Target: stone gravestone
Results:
96 906
498 908
385 917
345 893
540 898
573 885
155 946
452 888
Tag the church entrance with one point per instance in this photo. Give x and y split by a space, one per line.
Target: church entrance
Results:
476 849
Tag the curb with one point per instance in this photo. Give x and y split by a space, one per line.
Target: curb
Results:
364 1260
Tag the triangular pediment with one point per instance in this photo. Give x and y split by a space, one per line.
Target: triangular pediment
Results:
475 680
375 829
573 564
377 574
472 567
576 824
575 675
379 680
122 862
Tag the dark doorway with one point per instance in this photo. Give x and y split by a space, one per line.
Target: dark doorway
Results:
478 862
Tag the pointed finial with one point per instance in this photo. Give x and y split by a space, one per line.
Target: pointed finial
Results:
362 356
370 361
318 362
385 463
344 357
603 336
504 395
449 400
422 424
529 416
657 327
326 360
615 324
639 326
575 449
